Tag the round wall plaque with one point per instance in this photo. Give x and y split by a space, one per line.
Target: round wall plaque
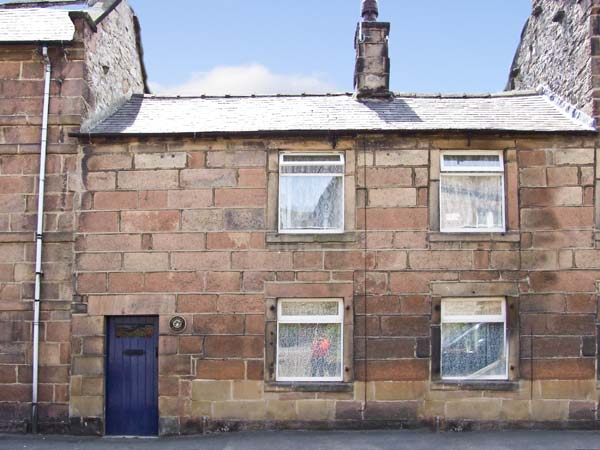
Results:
177 324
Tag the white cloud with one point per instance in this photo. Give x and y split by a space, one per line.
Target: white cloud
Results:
245 80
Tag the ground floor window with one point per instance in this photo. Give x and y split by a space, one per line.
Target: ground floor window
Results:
474 339
310 340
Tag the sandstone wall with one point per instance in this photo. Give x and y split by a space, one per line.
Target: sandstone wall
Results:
188 227
113 66
557 49
21 90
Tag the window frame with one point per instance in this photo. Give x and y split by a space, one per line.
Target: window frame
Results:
339 320
451 171
502 318
342 175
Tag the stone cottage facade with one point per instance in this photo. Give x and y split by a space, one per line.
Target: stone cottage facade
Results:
342 260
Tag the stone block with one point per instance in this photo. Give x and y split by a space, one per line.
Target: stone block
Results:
92 406
402 158
549 410
220 370
533 177
201 261
474 409
247 390
281 410
203 391
90 365
234 346
244 219
98 222
248 198
404 410
148 179
202 220
564 176
394 219
117 305
403 390
240 410
315 409
190 199
393 197
160 160
514 410
570 156
112 161
208 178
137 221
566 390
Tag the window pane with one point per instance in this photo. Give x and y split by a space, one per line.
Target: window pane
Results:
471 202
472 307
472 161
310 351
312 169
310 308
308 203
312 158
473 350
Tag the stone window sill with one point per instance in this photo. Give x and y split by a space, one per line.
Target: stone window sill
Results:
509 236
483 385
277 238
308 387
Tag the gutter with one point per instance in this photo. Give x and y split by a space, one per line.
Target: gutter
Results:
39 238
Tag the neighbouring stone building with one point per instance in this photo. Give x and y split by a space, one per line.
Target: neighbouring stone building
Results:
345 260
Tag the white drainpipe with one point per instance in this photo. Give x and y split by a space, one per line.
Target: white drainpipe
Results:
39 237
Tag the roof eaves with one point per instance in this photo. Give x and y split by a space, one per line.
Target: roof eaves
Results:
569 110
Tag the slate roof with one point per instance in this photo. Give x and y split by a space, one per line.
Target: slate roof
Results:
35 25
516 111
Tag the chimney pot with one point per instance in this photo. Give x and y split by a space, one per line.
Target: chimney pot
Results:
370 10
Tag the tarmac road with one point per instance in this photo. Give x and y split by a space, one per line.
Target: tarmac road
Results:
330 440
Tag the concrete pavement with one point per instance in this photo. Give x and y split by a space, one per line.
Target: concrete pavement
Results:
332 440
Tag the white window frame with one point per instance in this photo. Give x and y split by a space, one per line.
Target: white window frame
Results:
283 319
482 171
283 163
496 318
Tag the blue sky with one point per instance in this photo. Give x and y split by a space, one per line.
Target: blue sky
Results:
266 46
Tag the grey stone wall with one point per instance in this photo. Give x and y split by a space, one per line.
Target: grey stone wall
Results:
114 70
555 50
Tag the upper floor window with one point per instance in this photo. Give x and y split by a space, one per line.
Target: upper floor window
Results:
311 193
472 192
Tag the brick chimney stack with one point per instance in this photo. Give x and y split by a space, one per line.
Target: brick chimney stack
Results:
372 72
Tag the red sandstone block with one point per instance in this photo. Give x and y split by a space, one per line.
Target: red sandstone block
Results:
100 181
308 260
8 374
312 276
16 185
219 324
220 370
197 304
563 196
98 261
152 199
97 163
241 303
234 346
108 242
252 178
563 176
88 283
223 281
255 370
133 221
386 177
196 160
562 239
98 222
441 260
201 261
581 303
558 324
115 200
237 241
191 345
248 198
255 325
528 158
557 218
183 199
15 393
178 241
175 365
262 260
417 282
559 369
58 331
10 70
405 326
254 281
148 179
394 219
344 260
125 282
242 158
565 281
174 282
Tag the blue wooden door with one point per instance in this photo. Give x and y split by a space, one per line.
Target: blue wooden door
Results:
132 376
